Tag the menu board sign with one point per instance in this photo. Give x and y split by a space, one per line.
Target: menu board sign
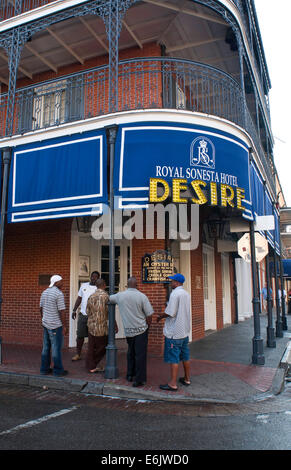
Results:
156 267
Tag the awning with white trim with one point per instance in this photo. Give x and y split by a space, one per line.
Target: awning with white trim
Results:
62 177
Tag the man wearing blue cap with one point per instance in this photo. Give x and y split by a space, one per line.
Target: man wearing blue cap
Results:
176 331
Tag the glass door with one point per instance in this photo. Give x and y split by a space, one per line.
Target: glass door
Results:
105 267
122 273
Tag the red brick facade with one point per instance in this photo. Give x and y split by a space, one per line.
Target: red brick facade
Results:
38 248
31 250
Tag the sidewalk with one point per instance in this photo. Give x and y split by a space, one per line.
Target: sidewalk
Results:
221 369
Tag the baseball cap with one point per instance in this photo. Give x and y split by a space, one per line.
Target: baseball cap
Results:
178 277
55 279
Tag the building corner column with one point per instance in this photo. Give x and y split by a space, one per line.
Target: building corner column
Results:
6 162
111 370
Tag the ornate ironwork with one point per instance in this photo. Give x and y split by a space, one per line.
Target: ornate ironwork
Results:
14 51
112 13
145 83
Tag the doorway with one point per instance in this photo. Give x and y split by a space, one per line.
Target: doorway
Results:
226 300
209 288
96 252
122 273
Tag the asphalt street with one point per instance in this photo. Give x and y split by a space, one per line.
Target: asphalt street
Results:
37 419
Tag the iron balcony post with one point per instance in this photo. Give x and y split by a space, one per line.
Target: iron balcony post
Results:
113 23
283 304
279 325
111 370
6 162
14 51
258 348
271 342
284 318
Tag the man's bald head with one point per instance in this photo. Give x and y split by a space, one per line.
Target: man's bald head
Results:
132 282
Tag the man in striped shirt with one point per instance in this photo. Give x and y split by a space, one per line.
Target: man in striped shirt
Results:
52 310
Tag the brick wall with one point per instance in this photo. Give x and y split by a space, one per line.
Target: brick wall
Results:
32 249
38 248
155 292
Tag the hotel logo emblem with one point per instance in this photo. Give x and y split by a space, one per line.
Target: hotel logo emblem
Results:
202 153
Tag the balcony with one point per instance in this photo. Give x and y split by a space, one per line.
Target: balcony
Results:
148 83
11 8
142 84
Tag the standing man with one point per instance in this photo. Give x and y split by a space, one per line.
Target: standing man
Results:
136 313
97 312
176 332
86 289
52 311
264 293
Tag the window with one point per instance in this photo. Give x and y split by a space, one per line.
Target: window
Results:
105 266
49 105
180 98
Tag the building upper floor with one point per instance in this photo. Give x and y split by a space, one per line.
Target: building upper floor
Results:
69 60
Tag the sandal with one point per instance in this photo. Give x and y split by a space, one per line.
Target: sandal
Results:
168 388
98 369
183 381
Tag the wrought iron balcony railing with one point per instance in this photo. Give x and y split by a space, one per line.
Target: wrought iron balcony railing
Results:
11 8
142 84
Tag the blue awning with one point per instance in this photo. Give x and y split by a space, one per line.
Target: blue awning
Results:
61 177
257 192
177 151
262 205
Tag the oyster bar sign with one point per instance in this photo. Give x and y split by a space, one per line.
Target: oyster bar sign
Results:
185 164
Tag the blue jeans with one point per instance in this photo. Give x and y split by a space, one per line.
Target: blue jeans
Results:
176 350
52 344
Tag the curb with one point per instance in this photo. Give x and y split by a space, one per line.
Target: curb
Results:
286 358
111 390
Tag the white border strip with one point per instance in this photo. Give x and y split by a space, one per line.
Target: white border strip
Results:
95 209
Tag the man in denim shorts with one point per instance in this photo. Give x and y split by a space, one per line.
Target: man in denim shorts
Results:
176 332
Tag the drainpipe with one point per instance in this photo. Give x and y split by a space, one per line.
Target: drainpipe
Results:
111 370
6 160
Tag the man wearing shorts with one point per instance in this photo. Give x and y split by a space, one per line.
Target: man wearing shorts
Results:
176 332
